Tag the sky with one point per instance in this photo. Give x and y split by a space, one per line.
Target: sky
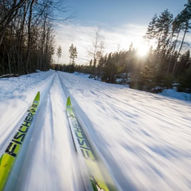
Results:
119 23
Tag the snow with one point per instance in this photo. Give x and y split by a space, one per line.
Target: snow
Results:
82 74
49 163
143 138
171 93
177 95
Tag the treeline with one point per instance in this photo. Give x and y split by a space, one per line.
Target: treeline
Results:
71 67
65 67
167 64
26 35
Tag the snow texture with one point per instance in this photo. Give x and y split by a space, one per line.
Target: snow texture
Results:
143 138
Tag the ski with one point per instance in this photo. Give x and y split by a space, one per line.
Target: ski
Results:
83 146
7 160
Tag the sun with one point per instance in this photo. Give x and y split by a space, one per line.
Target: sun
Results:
142 50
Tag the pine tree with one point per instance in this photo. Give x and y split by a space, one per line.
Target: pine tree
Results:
73 54
183 18
59 53
184 62
151 29
159 29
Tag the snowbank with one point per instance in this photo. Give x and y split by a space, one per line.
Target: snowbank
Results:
177 95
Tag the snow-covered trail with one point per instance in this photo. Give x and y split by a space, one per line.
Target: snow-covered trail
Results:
16 95
143 138
49 161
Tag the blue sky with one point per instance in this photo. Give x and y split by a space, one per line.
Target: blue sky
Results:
119 12
119 22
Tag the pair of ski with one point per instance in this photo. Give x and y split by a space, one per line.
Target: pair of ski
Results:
96 176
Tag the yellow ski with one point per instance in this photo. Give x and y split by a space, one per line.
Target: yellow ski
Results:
83 145
7 160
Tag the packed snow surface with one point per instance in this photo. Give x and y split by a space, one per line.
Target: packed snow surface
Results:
144 139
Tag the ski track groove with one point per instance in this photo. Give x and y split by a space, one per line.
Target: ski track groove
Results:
38 137
77 159
10 127
15 180
85 123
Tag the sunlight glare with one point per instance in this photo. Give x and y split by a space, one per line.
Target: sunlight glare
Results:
142 50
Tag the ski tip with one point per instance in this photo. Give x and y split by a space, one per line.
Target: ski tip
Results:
37 97
68 103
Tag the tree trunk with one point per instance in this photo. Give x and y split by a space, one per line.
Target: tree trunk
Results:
9 17
29 36
174 48
185 31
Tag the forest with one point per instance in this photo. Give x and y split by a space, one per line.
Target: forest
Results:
26 35
167 65
27 44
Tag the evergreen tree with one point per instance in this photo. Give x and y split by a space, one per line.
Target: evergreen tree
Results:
184 63
59 53
73 54
183 20
151 29
184 81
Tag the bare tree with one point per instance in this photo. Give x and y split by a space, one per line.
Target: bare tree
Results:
97 48
26 34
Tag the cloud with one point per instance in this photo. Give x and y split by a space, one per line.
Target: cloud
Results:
83 37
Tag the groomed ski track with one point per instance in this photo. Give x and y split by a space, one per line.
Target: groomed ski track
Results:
139 155
48 162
